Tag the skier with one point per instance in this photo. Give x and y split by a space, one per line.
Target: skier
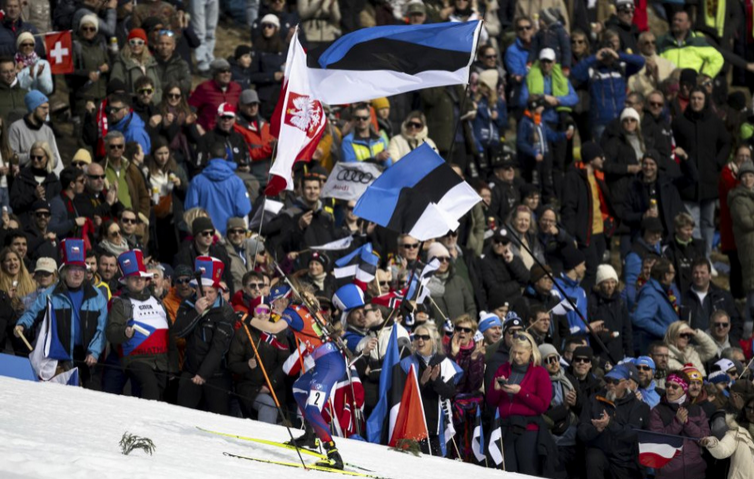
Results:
312 389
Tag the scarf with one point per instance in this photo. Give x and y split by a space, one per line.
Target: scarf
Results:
436 285
558 397
116 249
27 60
673 301
319 280
680 401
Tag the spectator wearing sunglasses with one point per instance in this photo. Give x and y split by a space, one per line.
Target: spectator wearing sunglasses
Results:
364 143
122 174
521 391
134 60
451 295
581 368
254 285
656 69
413 133
203 244
42 242
608 424
562 415
676 415
35 73
606 304
32 128
648 390
267 64
678 340
249 375
622 23
35 182
170 66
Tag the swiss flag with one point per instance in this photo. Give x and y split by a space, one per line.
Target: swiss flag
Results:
59 48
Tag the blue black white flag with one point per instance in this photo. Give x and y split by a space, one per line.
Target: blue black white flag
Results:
361 264
389 60
420 195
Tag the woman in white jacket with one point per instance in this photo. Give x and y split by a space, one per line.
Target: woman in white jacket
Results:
413 133
678 340
736 444
34 73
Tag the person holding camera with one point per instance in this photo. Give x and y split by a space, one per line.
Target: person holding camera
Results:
521 391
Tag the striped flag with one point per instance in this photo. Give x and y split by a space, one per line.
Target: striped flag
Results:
272 341
389 60
477 437
337 245
495 445
376 420
420 195
361 264
657 450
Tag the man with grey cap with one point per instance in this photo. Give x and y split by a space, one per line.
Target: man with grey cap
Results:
255 130
209 95
235 244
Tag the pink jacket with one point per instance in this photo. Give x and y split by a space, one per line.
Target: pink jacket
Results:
533 399
208 96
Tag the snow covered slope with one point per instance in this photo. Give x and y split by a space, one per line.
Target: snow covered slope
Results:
55 431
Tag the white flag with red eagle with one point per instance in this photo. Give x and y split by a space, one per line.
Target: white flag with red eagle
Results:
298 121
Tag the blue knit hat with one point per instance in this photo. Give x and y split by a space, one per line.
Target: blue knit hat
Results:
34 99
488 321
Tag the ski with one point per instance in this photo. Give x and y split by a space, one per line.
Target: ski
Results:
303 450
312 467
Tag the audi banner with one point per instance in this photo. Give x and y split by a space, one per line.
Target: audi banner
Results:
348 181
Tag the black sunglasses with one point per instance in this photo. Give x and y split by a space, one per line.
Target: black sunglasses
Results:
96 177
463 330
207 233
612 381
685 335
129 221
174 96
410 245
42 214
183 281
423 337
721 325
255 285
118 146
582 360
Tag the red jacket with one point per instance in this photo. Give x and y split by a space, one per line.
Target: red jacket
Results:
257 137
725 184
533 399
208 96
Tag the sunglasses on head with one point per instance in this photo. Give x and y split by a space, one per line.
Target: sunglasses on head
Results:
463 330
552 359
166 32
422 337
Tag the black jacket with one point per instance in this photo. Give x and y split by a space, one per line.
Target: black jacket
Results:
208 337
619 440
262 71
657 134
559 324
613 311
505 196
576 210
698 314
619 155
666 190
628 34
682 256
500 277
704 137
23 192
235 146
252 380
553 245
187 254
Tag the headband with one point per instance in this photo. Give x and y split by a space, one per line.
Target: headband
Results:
676 379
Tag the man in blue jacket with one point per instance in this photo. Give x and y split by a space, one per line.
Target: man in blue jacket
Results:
657 305
607 72
516 58
219 190
122 118
80 312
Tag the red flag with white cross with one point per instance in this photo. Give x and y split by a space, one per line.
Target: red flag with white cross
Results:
59 48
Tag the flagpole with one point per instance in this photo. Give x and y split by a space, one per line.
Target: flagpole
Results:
26 341
563 293
264 200
272 392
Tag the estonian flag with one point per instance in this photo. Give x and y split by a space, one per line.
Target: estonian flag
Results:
495 445
389 60
48 349
360 264
477 437
420 195
657 450
376 421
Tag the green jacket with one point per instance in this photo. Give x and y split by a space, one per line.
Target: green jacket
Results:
438 105
12 100
128 71
694 53
535 82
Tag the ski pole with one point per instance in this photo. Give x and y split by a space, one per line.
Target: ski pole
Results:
272 391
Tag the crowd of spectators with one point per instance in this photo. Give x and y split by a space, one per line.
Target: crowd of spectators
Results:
605 282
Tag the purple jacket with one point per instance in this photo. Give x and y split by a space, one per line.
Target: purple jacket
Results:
689 465
473 369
